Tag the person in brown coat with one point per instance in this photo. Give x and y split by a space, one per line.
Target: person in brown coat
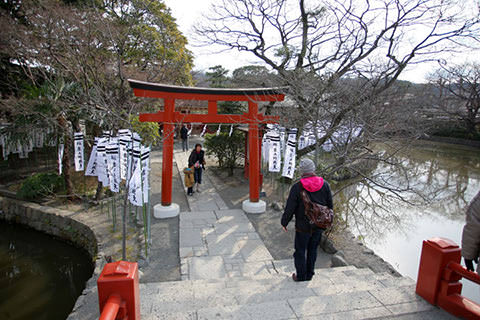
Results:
189 180
471 234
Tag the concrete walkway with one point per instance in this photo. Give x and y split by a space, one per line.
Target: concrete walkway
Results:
228 273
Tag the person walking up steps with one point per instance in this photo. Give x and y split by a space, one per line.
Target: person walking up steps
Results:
307 235
184 137
197 160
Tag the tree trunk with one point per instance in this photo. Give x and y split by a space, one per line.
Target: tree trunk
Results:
67 141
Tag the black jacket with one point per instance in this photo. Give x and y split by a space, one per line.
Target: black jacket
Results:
295 205
184 133
194 157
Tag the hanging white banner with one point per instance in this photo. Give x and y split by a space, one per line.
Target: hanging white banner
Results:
124 133
23 151
102 172
135 188
265 146
3 144
39 138
124 143
79 151
274 160
145 160
113 164
61 148
136 140
203 131
282 140
311 139
30 143
302 143
92 162
290 156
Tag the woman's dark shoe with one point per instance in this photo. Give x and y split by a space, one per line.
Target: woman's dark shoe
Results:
294 277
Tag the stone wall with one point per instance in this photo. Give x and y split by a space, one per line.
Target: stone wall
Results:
55 222
62 224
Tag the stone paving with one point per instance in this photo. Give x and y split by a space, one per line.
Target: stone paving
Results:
228 273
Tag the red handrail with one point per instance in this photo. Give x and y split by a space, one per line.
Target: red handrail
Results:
110 310
460 270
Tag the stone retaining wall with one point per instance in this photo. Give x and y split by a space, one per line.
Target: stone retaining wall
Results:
61 223
55 222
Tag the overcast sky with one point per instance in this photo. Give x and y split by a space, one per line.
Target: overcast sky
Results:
189 12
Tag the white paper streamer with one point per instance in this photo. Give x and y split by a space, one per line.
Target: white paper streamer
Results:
274 160
290 156
203 131
39 139
145 160
102 172
61 148
92 162
79 151
265 147
135 184
231 130
302 142
282 140
219 129
3 142
113 165
124 144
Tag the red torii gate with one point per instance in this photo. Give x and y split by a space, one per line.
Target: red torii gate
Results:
169 117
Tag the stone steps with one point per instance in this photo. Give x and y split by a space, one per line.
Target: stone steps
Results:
337 293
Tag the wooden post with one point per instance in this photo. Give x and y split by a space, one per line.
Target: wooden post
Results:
167 164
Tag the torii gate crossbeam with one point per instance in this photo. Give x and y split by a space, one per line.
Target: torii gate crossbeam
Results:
169 117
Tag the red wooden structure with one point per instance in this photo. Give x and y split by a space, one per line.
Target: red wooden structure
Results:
169 117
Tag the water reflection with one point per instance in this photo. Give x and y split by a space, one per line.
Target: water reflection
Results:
400 206
40 277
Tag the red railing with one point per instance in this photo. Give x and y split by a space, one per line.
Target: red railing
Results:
438 278
118 291
114 308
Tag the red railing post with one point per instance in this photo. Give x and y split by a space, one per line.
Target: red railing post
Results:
438 278
118 291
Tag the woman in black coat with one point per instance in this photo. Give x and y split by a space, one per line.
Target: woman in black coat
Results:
197 161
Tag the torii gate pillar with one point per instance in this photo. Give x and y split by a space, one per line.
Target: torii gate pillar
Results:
169 117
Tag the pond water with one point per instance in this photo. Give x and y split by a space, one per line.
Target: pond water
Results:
441 181
40 277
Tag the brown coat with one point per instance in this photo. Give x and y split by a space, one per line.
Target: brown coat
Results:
189 179
471 230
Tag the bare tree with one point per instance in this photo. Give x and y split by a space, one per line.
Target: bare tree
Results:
459 94
339 56
341 60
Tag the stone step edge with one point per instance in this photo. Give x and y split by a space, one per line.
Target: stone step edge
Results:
319 296
384 276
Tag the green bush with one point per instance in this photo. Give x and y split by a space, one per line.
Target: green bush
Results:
228 150
41 185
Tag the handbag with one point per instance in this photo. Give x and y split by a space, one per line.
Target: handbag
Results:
317 214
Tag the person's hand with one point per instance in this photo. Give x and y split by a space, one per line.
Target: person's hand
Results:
469 264
284 228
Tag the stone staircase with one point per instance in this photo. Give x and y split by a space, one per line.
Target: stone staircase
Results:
336 293
228 273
